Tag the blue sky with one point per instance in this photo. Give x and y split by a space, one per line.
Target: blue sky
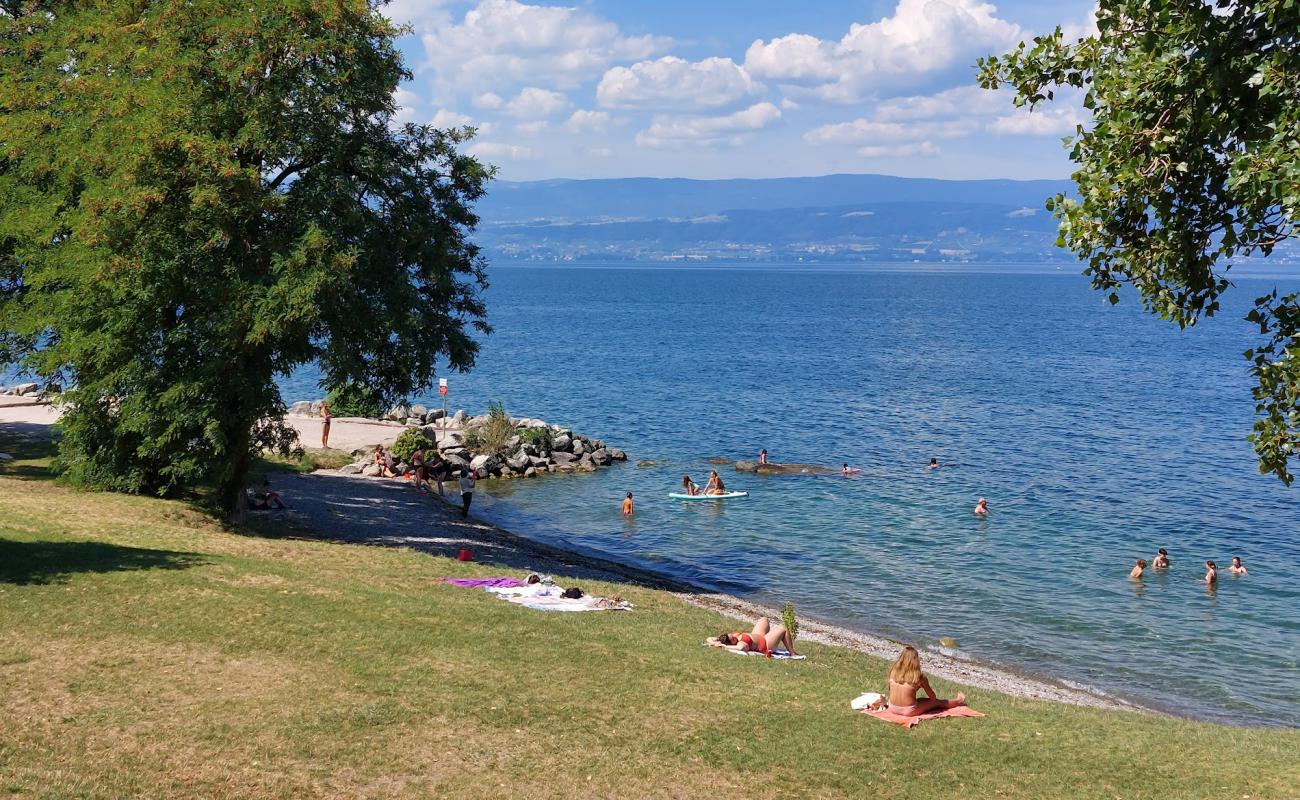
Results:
734 88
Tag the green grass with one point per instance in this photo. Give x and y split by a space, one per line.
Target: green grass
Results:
145 651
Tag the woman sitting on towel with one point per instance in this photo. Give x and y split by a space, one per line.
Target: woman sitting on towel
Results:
762 639
906 679
714 486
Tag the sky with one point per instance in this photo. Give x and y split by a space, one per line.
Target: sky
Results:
734 88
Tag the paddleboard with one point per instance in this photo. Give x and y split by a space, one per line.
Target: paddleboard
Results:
850 471
680 496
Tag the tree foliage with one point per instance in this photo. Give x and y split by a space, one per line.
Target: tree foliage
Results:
197 196
356 400
1191 162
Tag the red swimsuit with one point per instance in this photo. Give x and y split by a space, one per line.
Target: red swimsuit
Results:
756 643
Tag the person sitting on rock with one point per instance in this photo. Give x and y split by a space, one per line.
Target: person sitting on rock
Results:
689 486
387 466
762 456
714 486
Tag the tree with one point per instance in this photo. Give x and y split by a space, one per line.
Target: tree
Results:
196 197
1191 162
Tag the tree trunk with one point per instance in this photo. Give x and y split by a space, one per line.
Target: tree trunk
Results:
230 490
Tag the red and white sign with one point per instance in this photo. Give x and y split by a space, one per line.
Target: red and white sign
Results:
442 386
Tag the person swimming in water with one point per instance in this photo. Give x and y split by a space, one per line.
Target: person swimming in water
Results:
934 463
689 486
1138 568
1211 573
1237 567
981 507
714 486
845 469
627 505
1161 561
763 638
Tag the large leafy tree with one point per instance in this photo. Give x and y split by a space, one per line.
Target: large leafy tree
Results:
1191 162
197 196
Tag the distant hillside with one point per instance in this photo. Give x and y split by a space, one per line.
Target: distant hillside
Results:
829 218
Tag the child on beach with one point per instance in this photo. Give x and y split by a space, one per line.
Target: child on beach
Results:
1161 561
466 492
1138 568
1237 567
1211 573
627 505
981 507
906 679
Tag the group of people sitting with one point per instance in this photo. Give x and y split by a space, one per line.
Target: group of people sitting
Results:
905 678
714 486
1161 562
426 469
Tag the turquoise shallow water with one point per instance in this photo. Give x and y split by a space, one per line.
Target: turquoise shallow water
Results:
1098 434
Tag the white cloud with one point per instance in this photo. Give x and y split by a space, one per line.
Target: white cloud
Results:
511 152
925 43
597 152
675 83
416 13
488 100
405 101
921 149
533 103
867 131
450 119
504 42
669 131
531 128
584 121
1043 122
961 101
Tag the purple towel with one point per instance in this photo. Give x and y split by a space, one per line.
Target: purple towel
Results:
483 583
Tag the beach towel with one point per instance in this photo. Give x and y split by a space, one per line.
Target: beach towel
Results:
780 654
552 603
907 722
476 583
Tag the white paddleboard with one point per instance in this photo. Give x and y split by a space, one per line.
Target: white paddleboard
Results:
680 496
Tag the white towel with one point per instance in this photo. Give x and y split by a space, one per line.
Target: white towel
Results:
866 699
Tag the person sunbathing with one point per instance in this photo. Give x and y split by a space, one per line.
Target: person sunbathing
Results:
763 638
714 486
689 486
906 679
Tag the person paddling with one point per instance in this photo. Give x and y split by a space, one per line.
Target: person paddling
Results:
714 486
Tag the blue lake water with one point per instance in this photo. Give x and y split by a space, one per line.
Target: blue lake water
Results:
1098 433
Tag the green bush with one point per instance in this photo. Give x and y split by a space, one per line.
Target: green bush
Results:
412 439
542 438
788 619
356 400
492 436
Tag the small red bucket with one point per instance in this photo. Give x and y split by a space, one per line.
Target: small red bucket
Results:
466 554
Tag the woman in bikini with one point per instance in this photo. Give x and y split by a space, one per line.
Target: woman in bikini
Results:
714 486
764 638
906 679
689 486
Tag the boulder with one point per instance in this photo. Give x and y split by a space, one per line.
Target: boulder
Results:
719 461
402 468
448 439
646 463
531 450
454 461
563 443
564 468
561 458
601 457
455 449
472 422
396 413
414 422
531 472
619 455
513 443
538 461
364 451
352 469
783 469
417 411
586 465
518 461
579 447
315 408
301 408
435 415
481 473
597 444
531 423
371 471
487 462
459 417
948 641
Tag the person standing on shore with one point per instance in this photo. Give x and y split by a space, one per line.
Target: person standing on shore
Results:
627 505
466 492
325 425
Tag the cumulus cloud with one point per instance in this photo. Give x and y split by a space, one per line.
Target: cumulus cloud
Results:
503 42
676 131
534 103
488 100
961 101
584 121
1043 122
445 118
917 149
532 128
495 150
405 101
926 43
675 83
868 131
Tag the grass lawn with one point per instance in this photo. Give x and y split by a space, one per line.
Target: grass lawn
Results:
146 652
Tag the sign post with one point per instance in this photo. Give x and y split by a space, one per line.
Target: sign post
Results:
442 390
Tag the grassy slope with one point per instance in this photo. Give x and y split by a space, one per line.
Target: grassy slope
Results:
146 652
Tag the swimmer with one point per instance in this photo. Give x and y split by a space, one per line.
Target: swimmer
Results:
845 469
689 486
1161 561
627 505
1237 567
714 486
981 507
1138 568
934 463
1211 573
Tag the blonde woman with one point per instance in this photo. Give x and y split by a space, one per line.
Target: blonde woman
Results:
906 679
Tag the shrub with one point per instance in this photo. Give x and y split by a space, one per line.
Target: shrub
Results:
542 438
412 439
788 619
492 436
356 400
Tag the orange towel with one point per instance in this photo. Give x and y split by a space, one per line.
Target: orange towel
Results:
907 722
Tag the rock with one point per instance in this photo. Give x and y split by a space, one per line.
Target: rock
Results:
531 423
397 412
531 472
561 458
315 407
719 461
474 422
538 461
531 450
479 461
513 442
579 447
351 469
417 411
457 450
414 422
619 455
586 467
459 417
646 463
597 444
402 468
948 641
301 408
371 471
480 473
435 415
783 469
564 468
455 462
602 458
518 461
563 443
450 439
363 451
